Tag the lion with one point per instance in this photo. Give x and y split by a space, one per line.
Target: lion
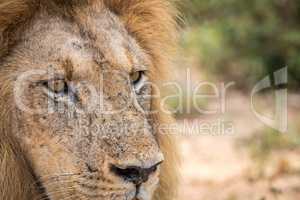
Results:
79 117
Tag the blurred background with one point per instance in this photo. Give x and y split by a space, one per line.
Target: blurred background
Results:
234 44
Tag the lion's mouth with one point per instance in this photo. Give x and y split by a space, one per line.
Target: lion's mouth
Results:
42 190
46 197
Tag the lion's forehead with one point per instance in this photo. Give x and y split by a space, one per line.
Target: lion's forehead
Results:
100 38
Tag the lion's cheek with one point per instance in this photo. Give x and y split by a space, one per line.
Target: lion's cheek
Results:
49 157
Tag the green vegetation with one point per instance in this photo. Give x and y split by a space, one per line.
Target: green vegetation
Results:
268 140
244 41
264 144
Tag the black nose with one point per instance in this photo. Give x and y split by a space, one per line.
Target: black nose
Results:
136 175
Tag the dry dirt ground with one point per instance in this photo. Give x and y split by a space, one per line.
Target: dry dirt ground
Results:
214 168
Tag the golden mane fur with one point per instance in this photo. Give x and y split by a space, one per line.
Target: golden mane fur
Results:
151 22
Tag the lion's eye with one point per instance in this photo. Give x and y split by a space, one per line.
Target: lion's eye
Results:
136 76
57 89
60 90
57 86
137 79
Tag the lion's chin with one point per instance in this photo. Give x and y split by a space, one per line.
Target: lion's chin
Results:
143 192
142 195
137 197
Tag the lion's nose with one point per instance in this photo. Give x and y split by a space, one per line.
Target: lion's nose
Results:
135 174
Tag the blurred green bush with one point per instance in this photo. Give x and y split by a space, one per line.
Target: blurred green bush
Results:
242 40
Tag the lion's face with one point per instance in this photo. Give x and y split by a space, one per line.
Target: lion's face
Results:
82 108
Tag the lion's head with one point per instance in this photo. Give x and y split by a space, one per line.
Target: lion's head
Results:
78 120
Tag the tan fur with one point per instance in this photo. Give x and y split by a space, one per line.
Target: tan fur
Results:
150 22
16 179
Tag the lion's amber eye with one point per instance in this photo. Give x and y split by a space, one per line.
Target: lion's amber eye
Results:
57 86
136 77
138 80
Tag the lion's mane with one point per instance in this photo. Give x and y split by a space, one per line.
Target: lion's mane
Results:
151 22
